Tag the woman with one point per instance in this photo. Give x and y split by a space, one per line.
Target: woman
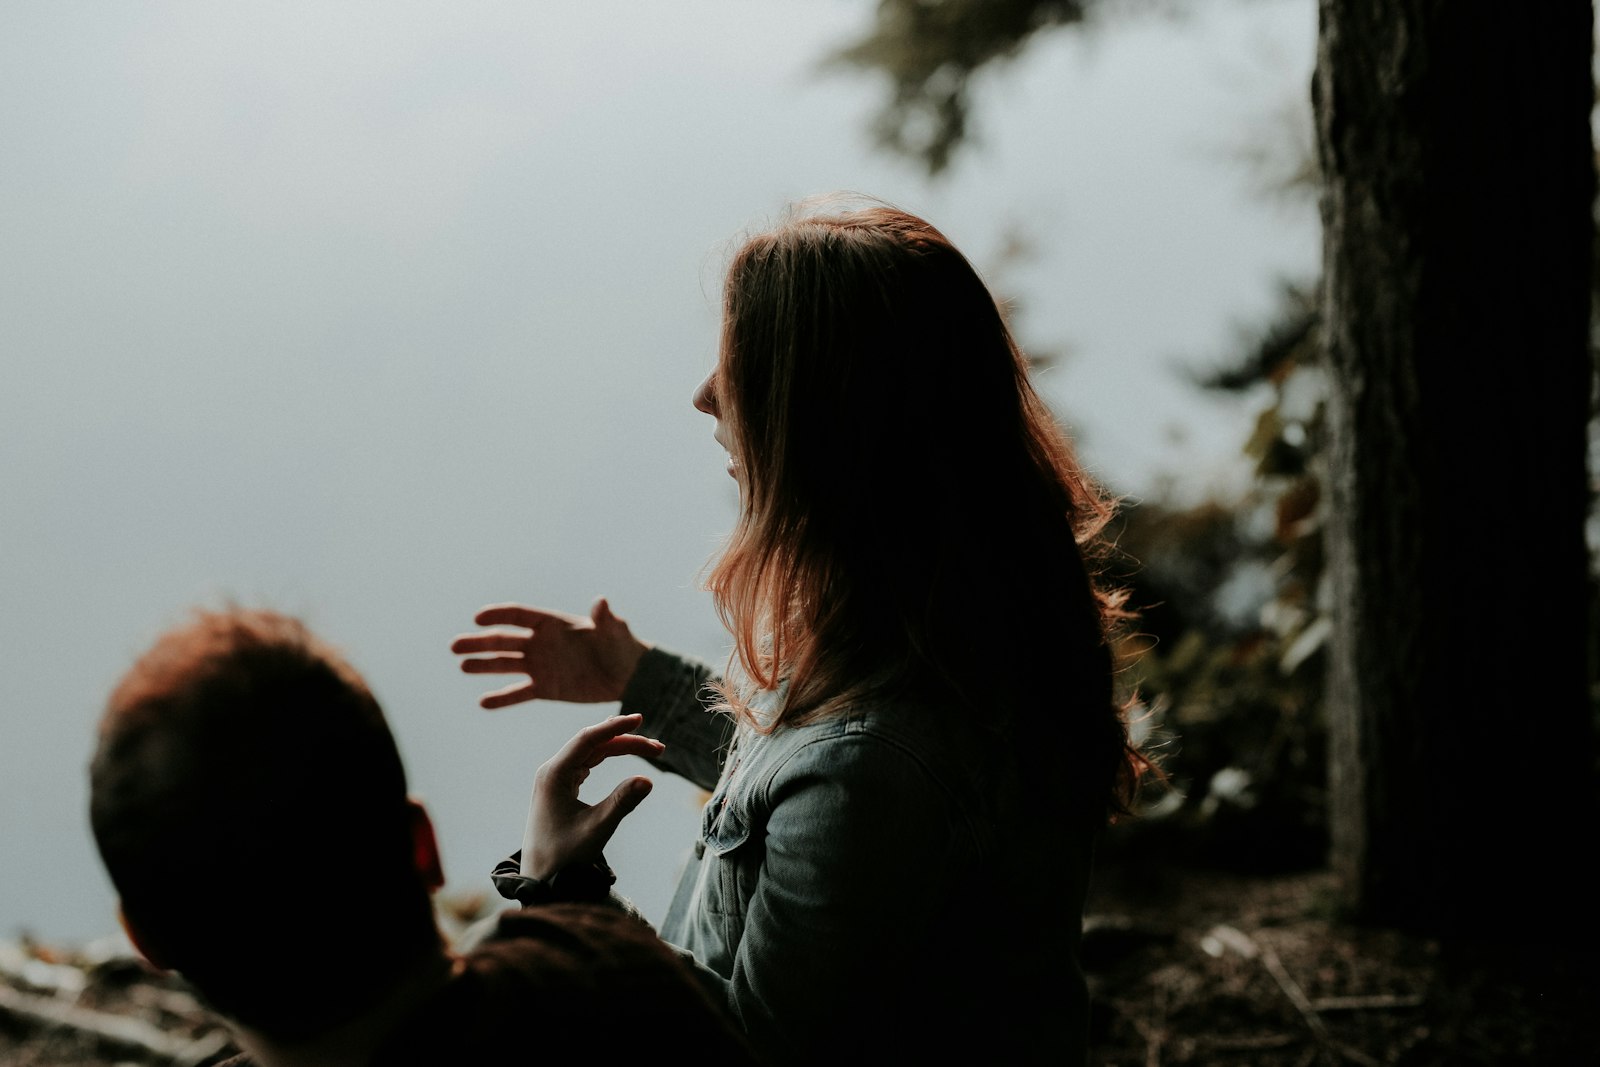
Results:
921 738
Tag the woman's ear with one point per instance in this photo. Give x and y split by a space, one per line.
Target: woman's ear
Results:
424 846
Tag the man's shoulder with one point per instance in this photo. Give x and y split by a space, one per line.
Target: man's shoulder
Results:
563 968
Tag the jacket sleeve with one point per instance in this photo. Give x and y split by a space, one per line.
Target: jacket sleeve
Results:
671 692
853 885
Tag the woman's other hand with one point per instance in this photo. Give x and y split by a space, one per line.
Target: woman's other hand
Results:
563 830
566 657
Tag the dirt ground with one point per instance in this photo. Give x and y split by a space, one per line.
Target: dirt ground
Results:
1202 967
1187 967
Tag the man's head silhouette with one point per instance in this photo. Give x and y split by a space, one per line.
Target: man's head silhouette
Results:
244 782
250 805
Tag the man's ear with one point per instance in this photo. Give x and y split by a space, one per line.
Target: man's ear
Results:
142 942
424 846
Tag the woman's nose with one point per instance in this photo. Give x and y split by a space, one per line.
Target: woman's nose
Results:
705 397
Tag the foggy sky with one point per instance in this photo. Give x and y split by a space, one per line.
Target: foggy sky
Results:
377 313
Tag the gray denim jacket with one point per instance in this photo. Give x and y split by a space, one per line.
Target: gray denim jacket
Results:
866 887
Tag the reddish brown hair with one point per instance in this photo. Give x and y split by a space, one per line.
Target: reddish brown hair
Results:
244 777
912 519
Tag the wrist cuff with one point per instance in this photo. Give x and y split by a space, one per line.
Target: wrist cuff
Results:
574 883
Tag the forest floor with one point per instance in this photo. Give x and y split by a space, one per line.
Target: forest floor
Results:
1185 967
1208 967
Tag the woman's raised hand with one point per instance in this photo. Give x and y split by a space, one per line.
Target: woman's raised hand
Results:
563 830
566 657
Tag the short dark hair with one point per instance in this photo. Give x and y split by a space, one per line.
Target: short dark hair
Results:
244 782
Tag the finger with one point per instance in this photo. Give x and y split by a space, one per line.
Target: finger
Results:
495 665
516 615
601 614
511 694
498 641
626 745
575 752
619 805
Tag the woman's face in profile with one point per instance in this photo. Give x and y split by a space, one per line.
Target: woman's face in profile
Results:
706 400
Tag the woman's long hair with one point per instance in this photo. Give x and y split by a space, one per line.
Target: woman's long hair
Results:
912 521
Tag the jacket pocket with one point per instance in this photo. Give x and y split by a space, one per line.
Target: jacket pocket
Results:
724 826
730 855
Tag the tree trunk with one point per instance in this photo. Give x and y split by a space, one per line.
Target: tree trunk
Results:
1459 181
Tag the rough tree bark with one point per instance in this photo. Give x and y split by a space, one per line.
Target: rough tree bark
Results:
1459 176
